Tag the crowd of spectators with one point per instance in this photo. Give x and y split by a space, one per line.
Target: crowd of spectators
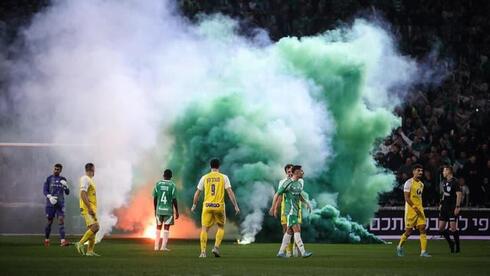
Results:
447 124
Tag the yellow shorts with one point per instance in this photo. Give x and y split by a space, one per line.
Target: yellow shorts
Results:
284 218
210 217
412 219
89 220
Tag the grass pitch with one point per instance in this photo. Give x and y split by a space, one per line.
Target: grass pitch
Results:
27 256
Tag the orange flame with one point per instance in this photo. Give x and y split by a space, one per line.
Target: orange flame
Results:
138 218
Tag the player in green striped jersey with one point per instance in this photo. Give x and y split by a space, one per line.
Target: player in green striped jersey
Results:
164 203
292 189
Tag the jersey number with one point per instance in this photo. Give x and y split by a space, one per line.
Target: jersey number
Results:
163 199
213 189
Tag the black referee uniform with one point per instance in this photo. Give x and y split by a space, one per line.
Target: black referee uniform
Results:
448 204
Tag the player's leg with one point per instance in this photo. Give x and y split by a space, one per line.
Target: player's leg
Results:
169 220
443 231
219 219
159 221
455 232
207 220
284 225
410 221
423 240
299 242
92 228
61 226
60 213
91 241
286 240
47 229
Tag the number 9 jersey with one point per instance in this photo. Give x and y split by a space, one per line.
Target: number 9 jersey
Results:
214 185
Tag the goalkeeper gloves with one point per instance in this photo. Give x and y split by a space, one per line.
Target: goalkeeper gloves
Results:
65 185
52 199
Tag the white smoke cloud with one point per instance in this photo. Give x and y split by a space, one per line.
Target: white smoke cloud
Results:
113 74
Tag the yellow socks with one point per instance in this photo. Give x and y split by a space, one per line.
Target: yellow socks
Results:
423 242
91 244
403 239
86 236
219 237
204 240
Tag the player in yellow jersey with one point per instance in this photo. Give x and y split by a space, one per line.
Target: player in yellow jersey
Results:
214 185
414 211
88 209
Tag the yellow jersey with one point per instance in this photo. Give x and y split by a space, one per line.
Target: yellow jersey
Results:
416 188
214 185
87 184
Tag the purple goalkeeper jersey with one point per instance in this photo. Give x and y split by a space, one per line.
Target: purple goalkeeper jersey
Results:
54 187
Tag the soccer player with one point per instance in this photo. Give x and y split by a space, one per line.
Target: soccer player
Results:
292 246
414 211
55 187
293 191
88 209
164 202
450 208
214 185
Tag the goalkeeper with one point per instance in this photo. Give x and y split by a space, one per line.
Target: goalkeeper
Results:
54 190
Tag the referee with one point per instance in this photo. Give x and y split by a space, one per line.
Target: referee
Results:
449 208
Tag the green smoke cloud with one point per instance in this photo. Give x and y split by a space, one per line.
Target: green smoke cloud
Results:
340 70
319 101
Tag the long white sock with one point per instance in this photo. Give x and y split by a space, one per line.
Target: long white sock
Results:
166 233
299 242
157 239
286 239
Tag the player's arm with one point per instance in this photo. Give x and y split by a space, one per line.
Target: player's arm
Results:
231 194
176 208
459 195
65 186
46 187
52 199
195 200
174 202
273 210
155 199
84 196
232 197
200 187
305 201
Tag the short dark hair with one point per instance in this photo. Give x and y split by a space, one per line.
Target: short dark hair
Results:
449 167
296 167
287 167
417 166
89 167
58 165
167 174
214 163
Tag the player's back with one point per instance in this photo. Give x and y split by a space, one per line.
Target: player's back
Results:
214 184
88 184
165 193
